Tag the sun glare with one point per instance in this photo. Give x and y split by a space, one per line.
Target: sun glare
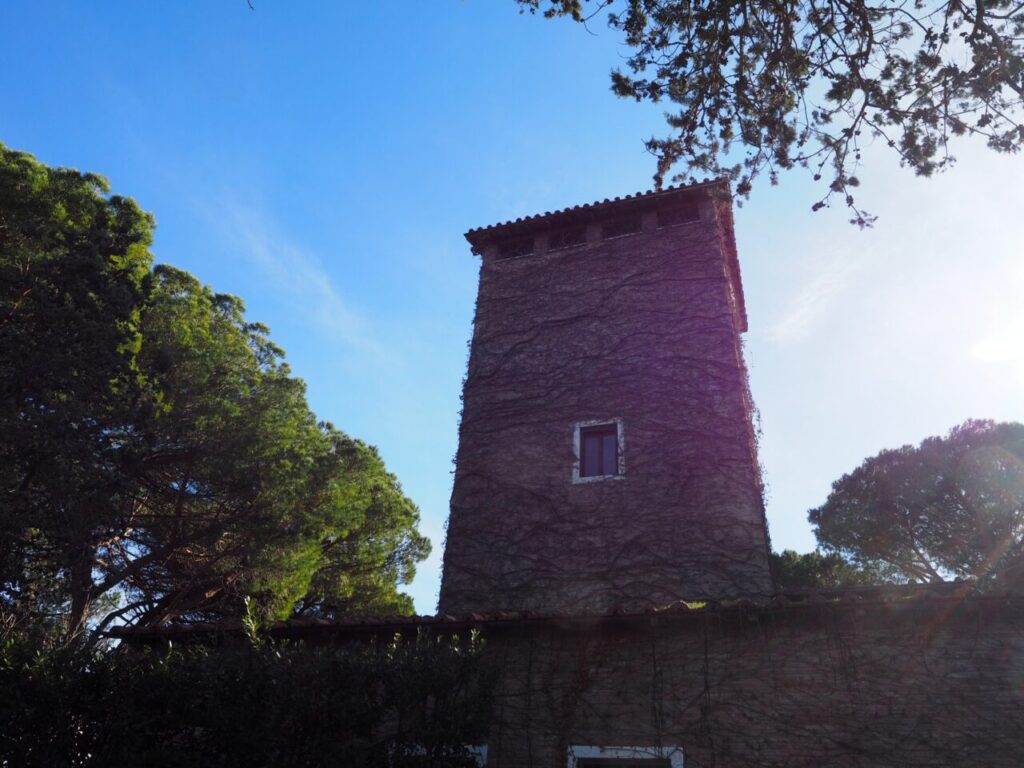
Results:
1006 344
998 349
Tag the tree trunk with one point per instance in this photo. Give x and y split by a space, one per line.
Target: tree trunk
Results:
81 593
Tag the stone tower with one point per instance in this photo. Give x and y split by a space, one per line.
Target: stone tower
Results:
607 460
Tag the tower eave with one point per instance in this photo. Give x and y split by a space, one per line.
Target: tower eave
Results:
718 190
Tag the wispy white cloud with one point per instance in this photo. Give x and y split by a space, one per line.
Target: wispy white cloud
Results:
297 274
811 304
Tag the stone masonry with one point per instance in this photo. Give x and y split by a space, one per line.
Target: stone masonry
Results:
862 681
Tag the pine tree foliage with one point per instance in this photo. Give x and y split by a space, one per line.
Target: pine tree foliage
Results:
792 571
158 461
755 86
951 507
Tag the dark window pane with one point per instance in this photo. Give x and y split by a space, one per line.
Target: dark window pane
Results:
599 450
609 455
591 459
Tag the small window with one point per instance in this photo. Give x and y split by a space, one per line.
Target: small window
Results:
682 213
598 451
566 238
624 225
510 249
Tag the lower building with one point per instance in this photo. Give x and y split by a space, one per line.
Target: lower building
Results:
881 677
902 677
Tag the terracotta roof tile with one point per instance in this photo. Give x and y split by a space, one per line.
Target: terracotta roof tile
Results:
594 205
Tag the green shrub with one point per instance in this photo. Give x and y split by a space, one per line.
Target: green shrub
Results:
400 703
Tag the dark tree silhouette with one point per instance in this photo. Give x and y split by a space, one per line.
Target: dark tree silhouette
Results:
951 507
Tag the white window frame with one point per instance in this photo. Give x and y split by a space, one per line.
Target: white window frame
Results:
583 751
620 439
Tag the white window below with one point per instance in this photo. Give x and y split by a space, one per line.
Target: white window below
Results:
584 756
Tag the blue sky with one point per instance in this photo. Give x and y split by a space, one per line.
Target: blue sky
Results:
323 159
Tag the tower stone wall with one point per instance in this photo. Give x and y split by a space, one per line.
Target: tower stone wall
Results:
626 313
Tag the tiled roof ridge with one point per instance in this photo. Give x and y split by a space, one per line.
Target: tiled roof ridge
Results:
650 193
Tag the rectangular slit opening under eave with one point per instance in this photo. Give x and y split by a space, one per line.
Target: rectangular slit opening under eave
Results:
683 213
510 249
566 238
621 226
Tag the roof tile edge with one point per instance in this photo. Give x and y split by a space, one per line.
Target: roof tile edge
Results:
479 235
